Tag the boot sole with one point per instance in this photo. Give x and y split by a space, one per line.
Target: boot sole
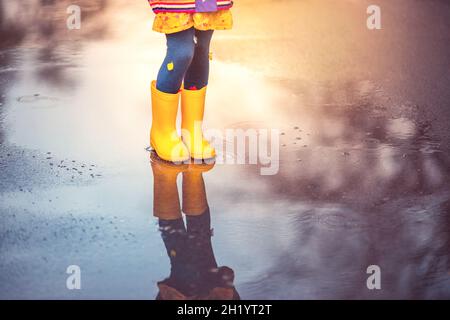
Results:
168 159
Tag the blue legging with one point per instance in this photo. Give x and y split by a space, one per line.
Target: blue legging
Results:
187 59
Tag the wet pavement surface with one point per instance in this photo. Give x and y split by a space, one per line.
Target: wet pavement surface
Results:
364 155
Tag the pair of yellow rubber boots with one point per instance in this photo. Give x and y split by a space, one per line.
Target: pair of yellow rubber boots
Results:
164 138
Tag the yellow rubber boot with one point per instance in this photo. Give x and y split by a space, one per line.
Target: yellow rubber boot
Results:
192 110
164 138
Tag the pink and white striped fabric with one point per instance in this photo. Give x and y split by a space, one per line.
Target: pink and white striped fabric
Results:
186 6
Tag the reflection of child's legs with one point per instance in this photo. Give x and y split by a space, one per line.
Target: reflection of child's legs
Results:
180 52
198 73
183 272
199 237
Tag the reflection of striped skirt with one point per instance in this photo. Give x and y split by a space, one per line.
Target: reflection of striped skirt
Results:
170 22
185 6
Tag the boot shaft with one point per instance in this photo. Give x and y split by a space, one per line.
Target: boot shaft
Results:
164 110
192 107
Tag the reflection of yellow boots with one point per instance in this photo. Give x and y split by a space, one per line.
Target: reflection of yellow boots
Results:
192 110
194 273
166 203
194 193
163 136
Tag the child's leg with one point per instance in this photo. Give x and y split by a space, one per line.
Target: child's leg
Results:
198 73
180 52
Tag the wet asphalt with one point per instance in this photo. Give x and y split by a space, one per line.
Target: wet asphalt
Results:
364 164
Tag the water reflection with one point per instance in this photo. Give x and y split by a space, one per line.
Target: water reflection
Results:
364 175
360 182
194 272
347 143
41 25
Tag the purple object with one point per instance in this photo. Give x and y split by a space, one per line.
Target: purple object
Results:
206 5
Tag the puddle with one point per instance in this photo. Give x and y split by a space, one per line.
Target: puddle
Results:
362 179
